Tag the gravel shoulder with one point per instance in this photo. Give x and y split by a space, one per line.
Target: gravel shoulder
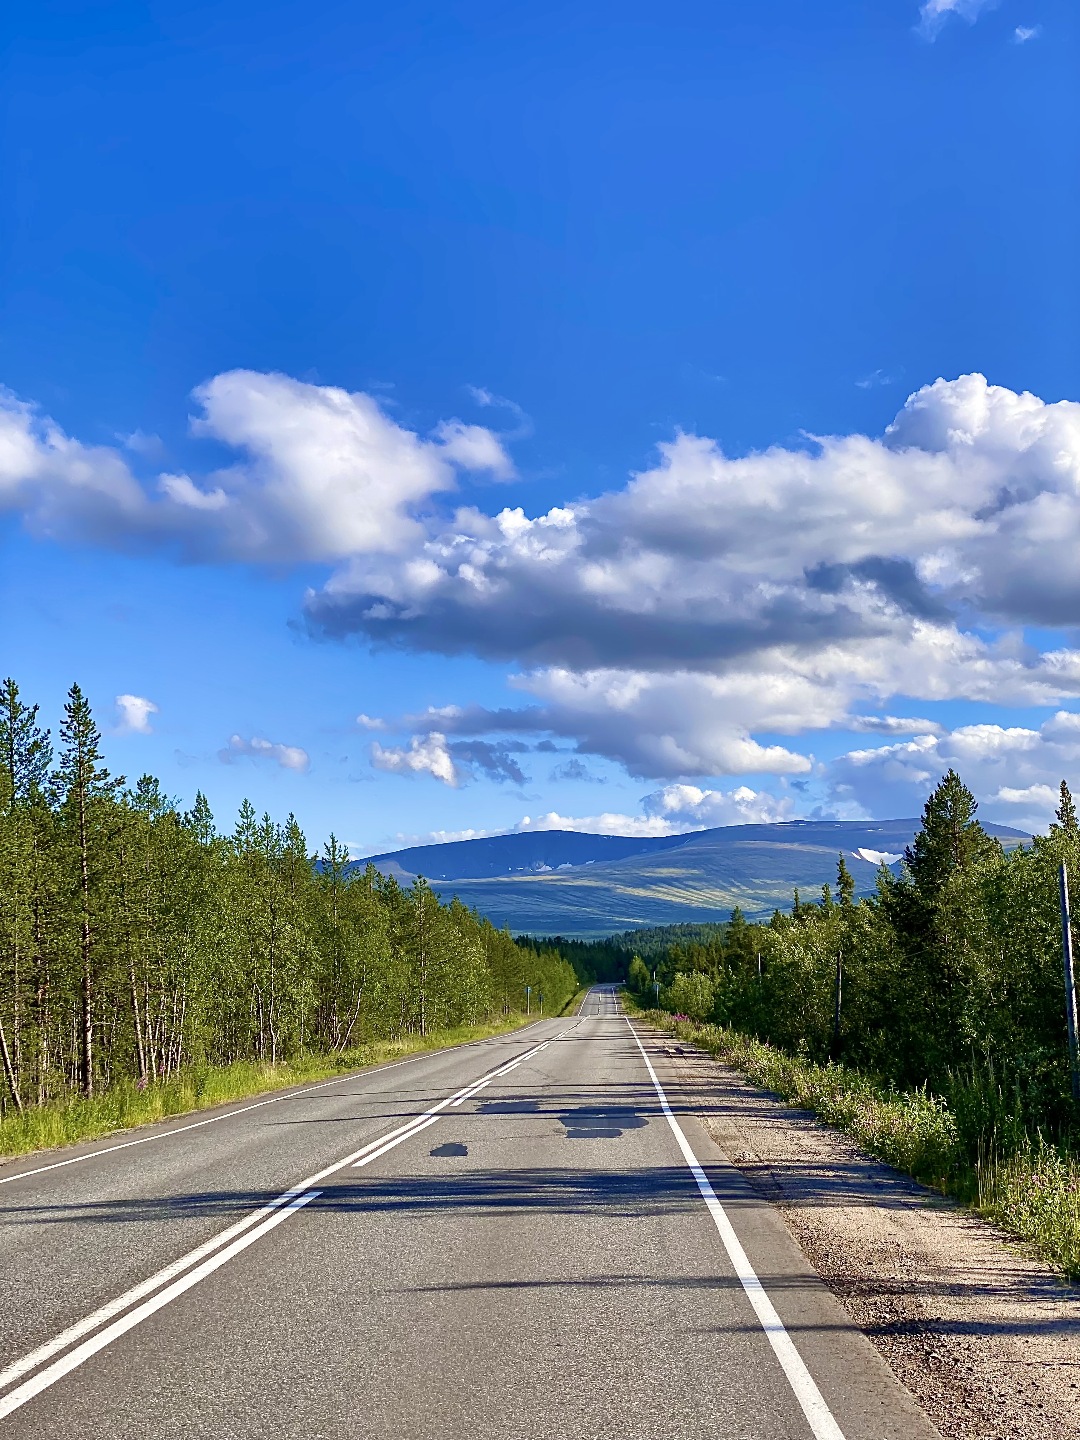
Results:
986 1338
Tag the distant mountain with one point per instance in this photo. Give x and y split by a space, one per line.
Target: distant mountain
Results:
533 853
559 882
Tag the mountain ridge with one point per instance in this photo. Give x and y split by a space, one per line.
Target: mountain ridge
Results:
576 884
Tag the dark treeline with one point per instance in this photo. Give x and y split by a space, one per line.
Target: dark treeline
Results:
608 960
135 939
949 977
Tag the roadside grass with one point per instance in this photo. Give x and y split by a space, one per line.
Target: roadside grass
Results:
1032 1192
573 1005
123 1105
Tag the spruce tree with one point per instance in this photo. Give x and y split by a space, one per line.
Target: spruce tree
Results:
845 883
1066 813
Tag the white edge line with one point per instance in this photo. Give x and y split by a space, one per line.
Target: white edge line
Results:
820 1417
275 1211
59 1368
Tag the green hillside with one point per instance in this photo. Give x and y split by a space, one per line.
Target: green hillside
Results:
699 877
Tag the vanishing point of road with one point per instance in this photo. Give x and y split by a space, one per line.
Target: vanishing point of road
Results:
525 1237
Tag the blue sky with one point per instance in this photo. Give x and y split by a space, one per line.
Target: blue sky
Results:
297 298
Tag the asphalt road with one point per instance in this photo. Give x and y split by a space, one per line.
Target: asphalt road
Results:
562 1252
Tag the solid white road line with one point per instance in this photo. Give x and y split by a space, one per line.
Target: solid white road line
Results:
56 1371
240 1235
293 1093
817 1412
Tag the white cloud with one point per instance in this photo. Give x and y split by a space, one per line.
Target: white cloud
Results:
705 557
321 474
675 810
133 714
370 722
1015 771
682 624
1023 33
608 823
453 763
691 724
875 378
474 448
686 807
934 13
668 623
425 755
289 757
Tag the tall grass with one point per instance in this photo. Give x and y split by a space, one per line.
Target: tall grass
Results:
125 1105
1027 1185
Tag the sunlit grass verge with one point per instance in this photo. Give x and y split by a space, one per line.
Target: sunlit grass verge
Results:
574 1004
124 1105
1034 1193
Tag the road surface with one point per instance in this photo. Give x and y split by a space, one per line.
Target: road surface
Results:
525 1237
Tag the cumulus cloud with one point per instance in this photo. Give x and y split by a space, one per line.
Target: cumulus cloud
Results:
424 755
934 13
289 757
704 557
133 714
608 823
686 807
1014 770
675 810
321 474
454 763
1023 33
689 724
681 625
666 624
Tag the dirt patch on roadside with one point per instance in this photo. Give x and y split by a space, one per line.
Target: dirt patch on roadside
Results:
985 1338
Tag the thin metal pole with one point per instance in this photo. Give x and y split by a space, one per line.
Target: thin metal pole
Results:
836 1003
1070 982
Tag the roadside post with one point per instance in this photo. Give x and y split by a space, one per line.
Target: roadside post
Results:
540 993
837 999
528 999
1070 981
656 989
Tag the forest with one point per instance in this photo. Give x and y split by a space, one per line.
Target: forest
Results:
136 939
950 978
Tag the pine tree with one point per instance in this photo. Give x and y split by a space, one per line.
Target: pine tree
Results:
25 757
25 751
85 783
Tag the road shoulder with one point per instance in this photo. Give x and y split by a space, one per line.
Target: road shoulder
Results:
985 1338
